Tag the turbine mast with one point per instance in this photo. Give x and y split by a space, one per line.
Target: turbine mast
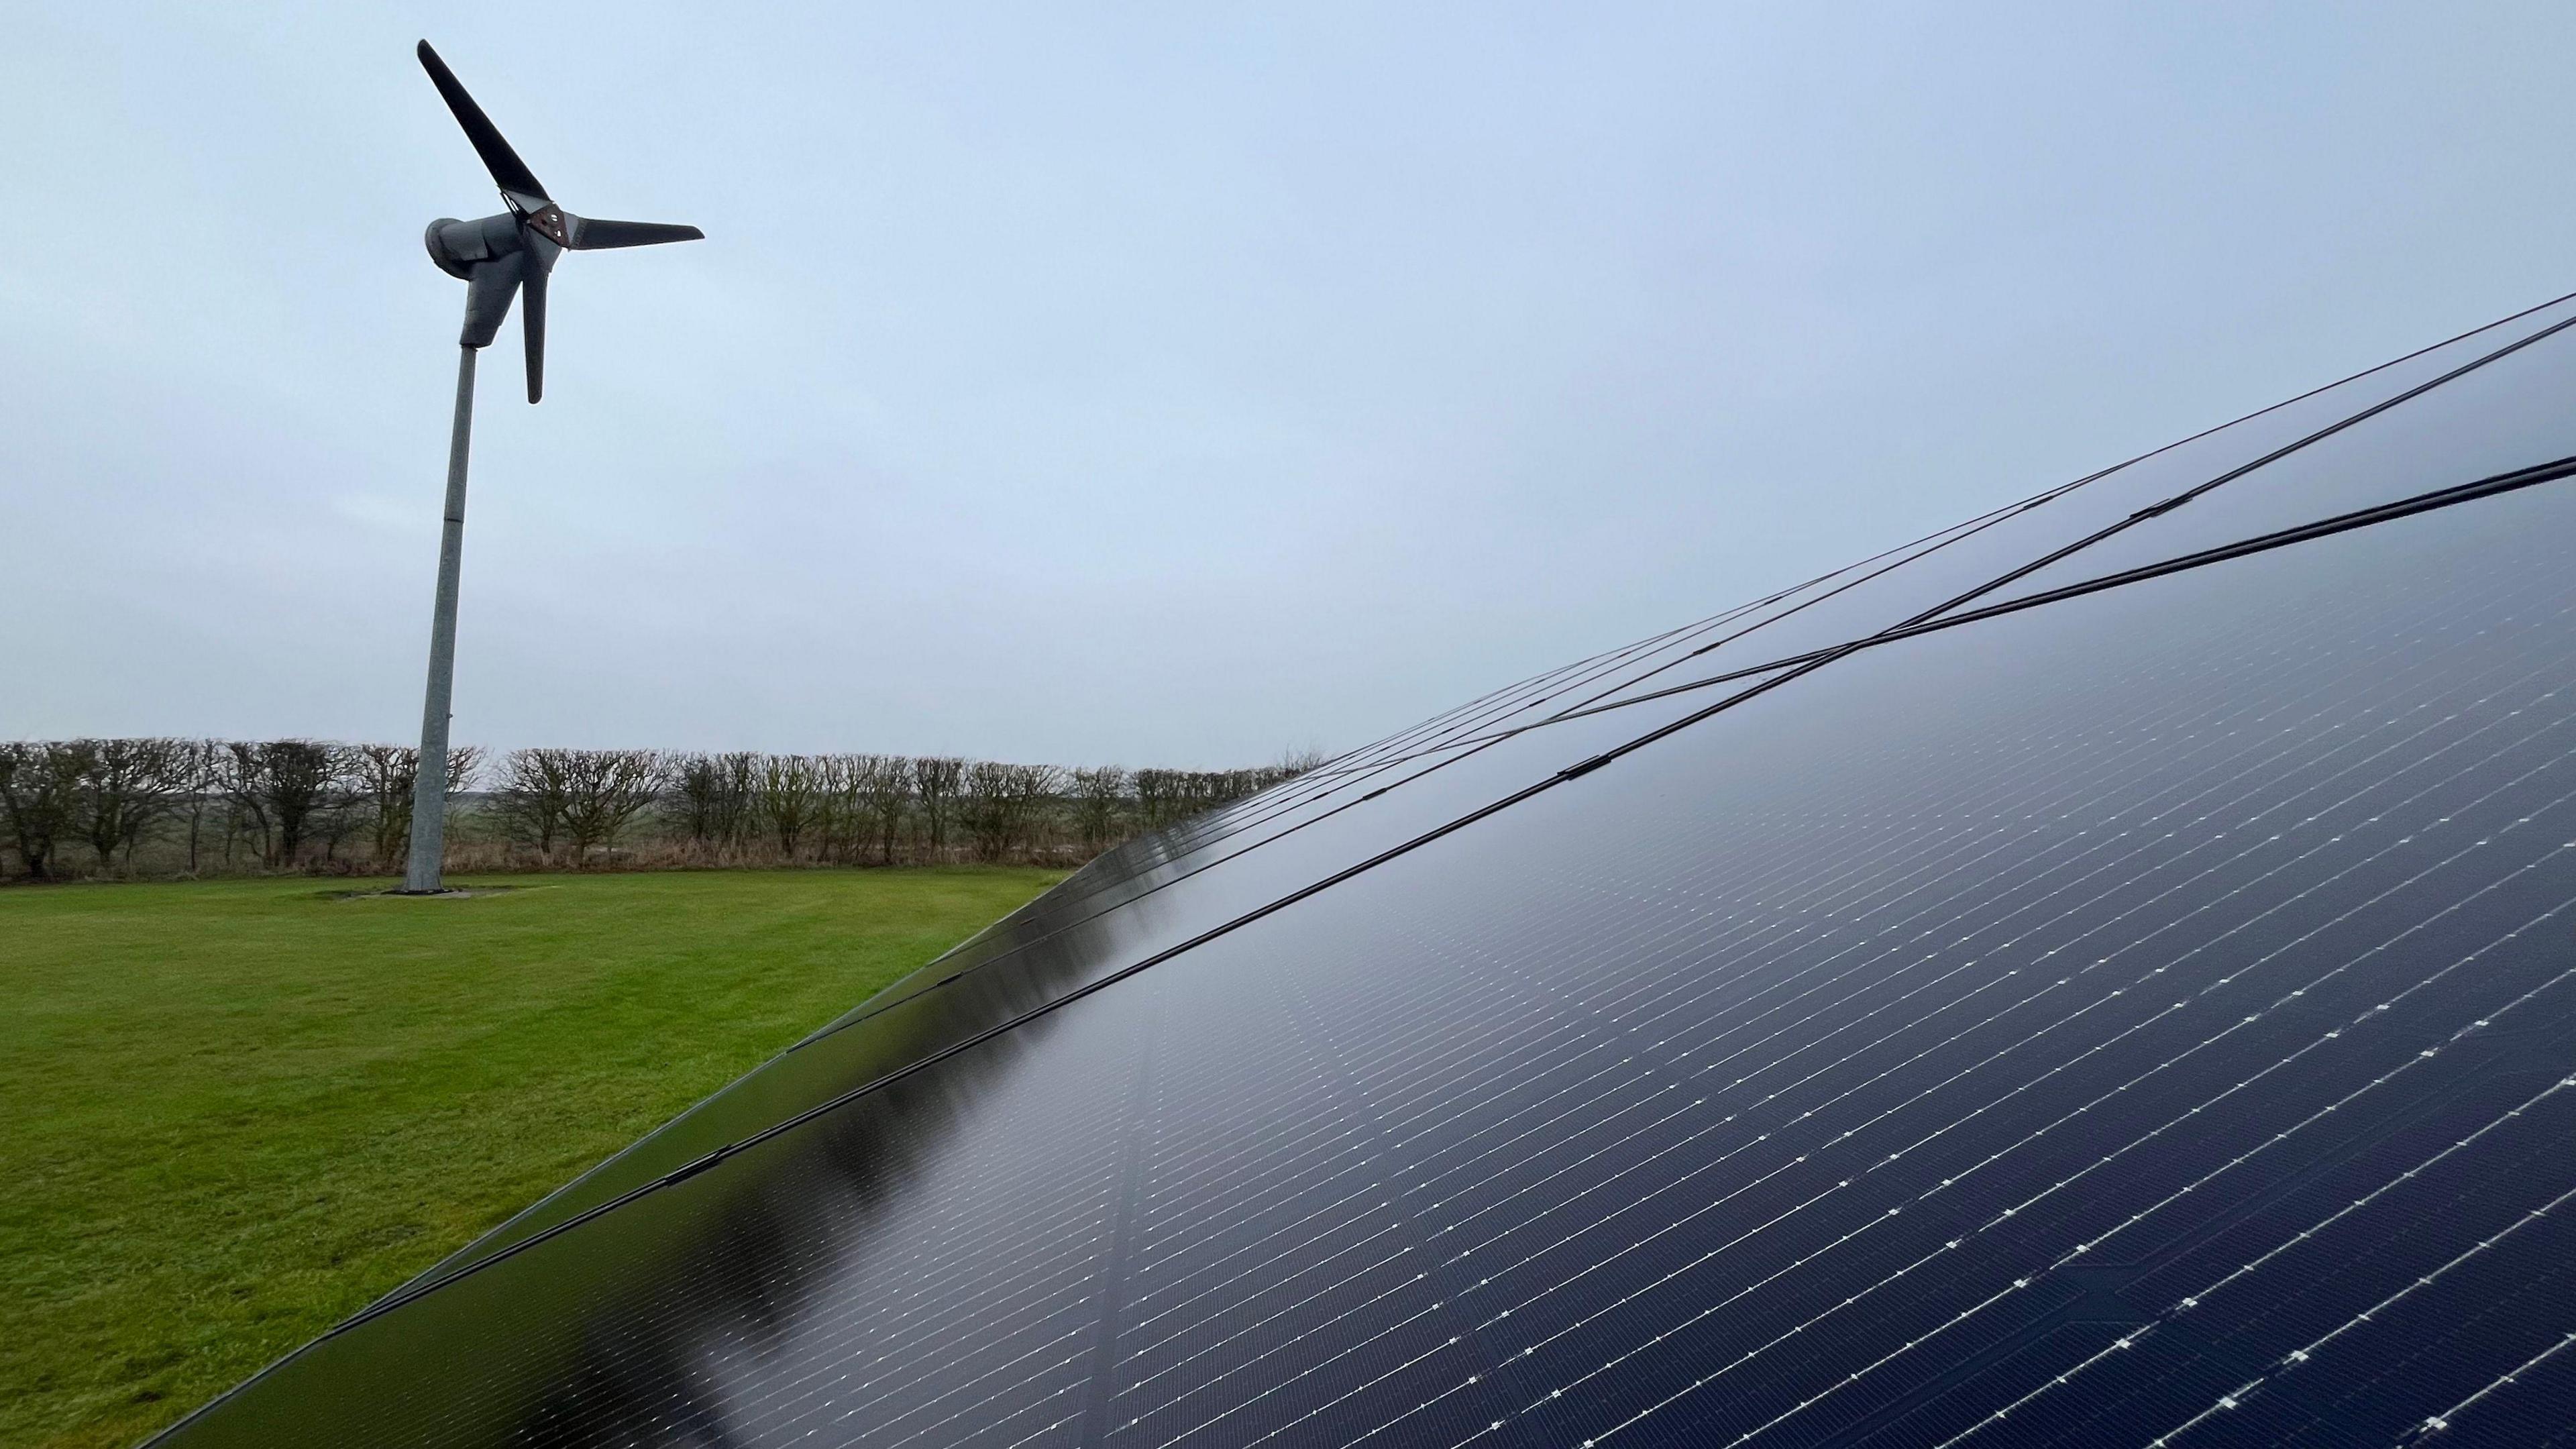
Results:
421 872
499 258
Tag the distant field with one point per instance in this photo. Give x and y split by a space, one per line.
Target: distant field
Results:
236 1112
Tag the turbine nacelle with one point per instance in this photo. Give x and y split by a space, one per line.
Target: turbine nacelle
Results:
500 256
457 247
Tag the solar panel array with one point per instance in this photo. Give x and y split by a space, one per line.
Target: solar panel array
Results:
2145 1017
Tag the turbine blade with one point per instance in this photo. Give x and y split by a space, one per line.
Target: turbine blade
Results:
504 164
532 317
590 235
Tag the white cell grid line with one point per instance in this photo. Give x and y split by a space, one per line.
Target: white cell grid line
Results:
2306 1351
906 1359
2318 847
1264 1395
1315 1296
1482 1096
1173 1246
2193 1300
1705 1313
1541 1038
1433 1042
1865 1292
884 1279
1318 1327
1642 1199
952 1352
1212 1127
1193 1234
1035 1233
884 1422
1405 1077
1320 1365
2349 963
1676 986
1815 1043
2017 1285
1372 1188
1380 1213
2437 1423
1569 1166
1655 1097
2202 781
1981 788
1334 1139
924 1320
1367 1434
1560 1038
819 1380
996 1423
1275 1314
1228 1122
1213 1181
1274 1285
1334 1402
1421 1166
1294 1118
1858 948
2224 980
1045 1430
1675 1225
2370 1017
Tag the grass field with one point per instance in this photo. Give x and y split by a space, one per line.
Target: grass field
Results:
238 1111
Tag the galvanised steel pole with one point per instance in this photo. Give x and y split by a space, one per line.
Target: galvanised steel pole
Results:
429 786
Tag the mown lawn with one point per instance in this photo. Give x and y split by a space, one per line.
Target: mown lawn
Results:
232 1113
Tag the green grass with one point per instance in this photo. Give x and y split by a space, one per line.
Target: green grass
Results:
233 1113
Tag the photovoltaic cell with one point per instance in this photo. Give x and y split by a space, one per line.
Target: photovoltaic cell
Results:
2147 1018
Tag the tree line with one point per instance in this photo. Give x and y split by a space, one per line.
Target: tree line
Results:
143 808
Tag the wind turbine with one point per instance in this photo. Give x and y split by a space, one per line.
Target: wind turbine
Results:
497 257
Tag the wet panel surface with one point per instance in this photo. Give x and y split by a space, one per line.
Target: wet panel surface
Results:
2148 1018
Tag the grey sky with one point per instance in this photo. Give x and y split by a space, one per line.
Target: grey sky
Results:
1154 384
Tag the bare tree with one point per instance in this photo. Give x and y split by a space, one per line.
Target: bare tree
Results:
1300 759
697 799
202 761
1099 799
382 777
790 797
125 786
884 792
603 791
278 785
535 792
935 781
852 791
1001 803
40 787
1158 797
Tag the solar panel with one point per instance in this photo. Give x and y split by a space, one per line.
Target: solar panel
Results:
2145 1018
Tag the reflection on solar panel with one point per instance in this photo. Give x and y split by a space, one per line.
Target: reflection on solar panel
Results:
2124 1001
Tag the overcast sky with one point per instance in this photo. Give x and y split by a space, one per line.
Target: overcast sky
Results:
1154 384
